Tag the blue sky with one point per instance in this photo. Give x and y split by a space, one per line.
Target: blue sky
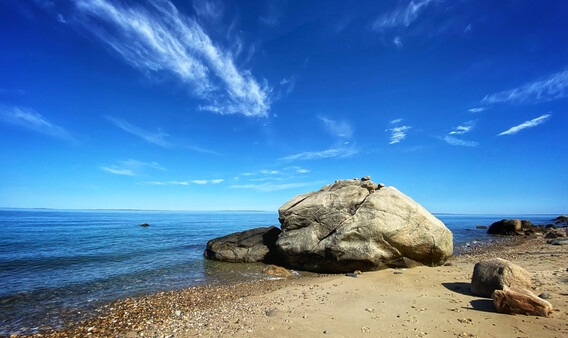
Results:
212 105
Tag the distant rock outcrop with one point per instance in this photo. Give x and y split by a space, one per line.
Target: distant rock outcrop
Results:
144 225
561 220
510 227
254 245
359 225
496 274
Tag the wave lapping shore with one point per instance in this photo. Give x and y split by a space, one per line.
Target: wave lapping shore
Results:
422 301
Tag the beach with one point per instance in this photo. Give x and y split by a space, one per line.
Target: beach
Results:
417 302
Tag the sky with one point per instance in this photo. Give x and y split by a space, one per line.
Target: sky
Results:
242 105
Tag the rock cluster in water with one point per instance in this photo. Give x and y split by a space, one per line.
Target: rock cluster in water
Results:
346 226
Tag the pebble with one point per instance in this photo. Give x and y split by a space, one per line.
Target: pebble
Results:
544 295
398 272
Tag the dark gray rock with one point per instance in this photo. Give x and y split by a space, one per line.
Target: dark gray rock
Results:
254 245
561 220
506 227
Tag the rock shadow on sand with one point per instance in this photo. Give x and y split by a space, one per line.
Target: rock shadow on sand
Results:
459 287
484 305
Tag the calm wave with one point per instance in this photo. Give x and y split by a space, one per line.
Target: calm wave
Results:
54 264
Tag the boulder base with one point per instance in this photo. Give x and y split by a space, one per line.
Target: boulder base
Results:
359 225
496 274
254 245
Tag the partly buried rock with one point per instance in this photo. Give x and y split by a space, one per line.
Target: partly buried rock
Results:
496 274
254 245
277 271
358 225
506 227
520 301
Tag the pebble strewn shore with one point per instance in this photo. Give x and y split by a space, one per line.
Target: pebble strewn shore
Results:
293 307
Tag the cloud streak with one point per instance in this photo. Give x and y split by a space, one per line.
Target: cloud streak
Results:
552 88
464 128
402 16
341 152
158 138
398 133
269 187
527 124
454 141
158 38
131 167
32 120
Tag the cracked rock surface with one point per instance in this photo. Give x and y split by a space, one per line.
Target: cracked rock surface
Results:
359 225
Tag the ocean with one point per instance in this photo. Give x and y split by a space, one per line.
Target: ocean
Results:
55 264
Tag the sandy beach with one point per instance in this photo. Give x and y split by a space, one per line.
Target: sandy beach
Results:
418 302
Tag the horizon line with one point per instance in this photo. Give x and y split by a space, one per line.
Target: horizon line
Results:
247 210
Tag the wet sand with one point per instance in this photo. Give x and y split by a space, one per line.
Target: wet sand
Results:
418 302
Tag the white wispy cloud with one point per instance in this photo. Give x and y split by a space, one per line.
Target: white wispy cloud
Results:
527 124
160 38
200 181
464 128
217 181
184 183
208 9
454 141
268 187
476 110
552 88
341 129
131 167
341 152
118 171
398 133
402 16
30 119
396 121
397 41
157 138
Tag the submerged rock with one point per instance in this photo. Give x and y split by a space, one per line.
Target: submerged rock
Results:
277 271
254 245
145 225
496 274
359 225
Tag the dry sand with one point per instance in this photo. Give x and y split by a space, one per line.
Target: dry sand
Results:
418 302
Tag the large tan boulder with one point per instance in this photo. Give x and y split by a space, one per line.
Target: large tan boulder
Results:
520 301
496 274
359 225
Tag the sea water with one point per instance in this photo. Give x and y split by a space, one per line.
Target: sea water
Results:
55 264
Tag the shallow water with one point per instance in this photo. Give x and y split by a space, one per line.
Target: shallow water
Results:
56 263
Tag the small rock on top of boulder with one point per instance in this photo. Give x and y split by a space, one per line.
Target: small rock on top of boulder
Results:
358 225
496 274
